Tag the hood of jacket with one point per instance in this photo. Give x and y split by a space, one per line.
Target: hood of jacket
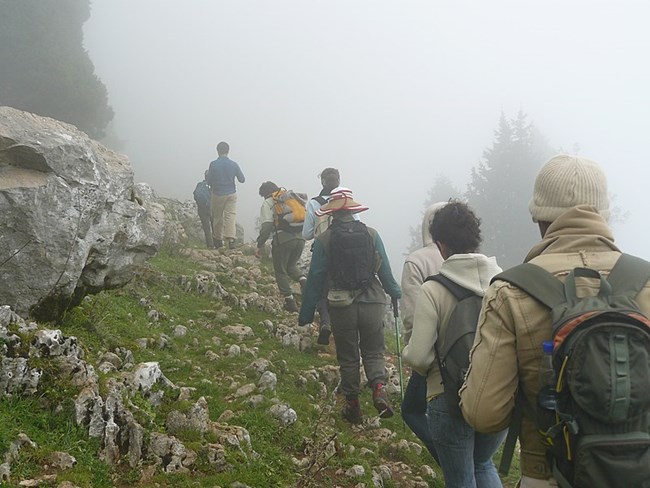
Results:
426 222
472 271
580 227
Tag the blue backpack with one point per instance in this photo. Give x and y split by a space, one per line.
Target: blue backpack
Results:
202 194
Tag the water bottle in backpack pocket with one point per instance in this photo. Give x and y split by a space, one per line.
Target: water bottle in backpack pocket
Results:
547 396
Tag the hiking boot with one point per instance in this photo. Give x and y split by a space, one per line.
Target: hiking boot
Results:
352 411
218 244
290 304
380 401
324 335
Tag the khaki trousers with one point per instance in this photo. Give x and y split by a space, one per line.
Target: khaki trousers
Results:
224 216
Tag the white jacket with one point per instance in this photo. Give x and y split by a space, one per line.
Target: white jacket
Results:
433 310
419 265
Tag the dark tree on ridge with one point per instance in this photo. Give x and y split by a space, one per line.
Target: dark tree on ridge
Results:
500 188
45 68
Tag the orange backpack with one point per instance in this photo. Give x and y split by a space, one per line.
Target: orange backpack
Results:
288 210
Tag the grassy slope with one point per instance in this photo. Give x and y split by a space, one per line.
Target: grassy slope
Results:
117 319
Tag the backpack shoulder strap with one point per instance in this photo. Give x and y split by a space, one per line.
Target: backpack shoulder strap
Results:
629 275
455 289
320 199
537 282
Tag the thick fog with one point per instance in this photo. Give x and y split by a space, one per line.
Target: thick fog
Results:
392 93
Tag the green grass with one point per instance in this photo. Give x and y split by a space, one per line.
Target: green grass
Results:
117 318
51 431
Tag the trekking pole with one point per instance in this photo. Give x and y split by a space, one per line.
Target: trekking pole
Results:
399 347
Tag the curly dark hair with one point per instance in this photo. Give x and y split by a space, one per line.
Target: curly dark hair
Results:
267 188
457 227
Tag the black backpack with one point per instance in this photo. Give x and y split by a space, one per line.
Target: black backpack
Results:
351 255
452 350
598 434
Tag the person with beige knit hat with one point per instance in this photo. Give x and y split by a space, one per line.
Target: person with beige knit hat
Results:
571 207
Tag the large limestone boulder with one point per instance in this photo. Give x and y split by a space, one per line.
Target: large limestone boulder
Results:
71 221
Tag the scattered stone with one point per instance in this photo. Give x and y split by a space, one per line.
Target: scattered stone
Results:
260 365
111 358
16 446
226 416
284 414
245 390
170 453
217 458
46 479
384 471
355 471
268 325
234 351
62 460
255 401
186 392
163 341
268 381
5 472
211 355
146 375
427 471
180 331
241 332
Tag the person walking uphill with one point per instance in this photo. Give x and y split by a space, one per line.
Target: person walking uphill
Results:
570 205
315 226
465 456
286 245
202 197
349 266
221 178
418 265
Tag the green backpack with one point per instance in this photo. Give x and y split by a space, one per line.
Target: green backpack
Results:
452 350
598 433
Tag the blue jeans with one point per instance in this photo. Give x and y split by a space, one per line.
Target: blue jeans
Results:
465 456
414 411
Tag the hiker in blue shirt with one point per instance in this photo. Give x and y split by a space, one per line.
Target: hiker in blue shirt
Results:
221 178
202 198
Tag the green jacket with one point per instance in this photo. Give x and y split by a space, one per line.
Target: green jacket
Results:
317 280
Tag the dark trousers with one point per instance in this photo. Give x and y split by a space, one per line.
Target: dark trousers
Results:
323 312
206 223
414 411
285 263
359 334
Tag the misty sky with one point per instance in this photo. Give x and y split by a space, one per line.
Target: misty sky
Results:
392 93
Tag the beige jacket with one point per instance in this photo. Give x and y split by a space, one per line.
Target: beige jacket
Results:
434 307
418 266
512 326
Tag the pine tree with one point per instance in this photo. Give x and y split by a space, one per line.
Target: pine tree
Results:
45 68
500 188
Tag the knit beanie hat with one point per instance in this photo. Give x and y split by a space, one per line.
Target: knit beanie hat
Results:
567 181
